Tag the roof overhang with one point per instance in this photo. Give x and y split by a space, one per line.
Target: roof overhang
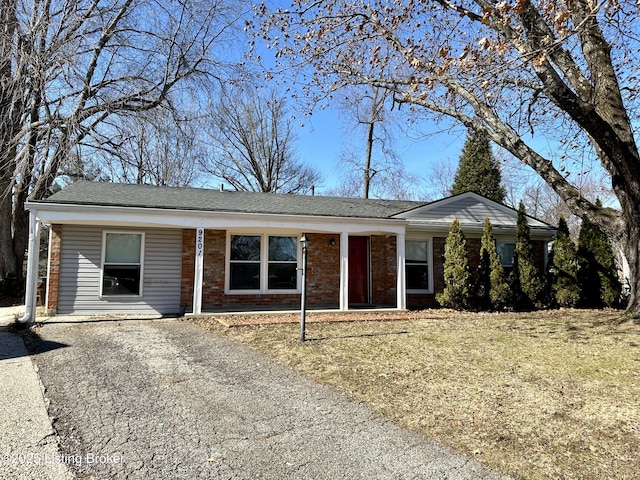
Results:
102 215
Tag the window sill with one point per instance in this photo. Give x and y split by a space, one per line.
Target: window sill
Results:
115 297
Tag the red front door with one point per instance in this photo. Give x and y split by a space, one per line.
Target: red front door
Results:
358 270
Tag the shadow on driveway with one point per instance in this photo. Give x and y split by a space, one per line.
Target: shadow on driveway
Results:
35 344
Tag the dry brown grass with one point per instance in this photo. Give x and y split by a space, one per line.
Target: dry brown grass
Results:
545 395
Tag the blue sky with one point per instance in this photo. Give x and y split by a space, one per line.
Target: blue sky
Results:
321 137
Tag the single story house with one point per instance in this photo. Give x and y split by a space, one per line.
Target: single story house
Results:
117 248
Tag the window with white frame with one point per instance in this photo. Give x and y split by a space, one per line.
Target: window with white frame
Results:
505 252
283 263
122 260
261 263
244 262
417 266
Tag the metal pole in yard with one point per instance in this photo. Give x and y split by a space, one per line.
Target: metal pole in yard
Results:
303 298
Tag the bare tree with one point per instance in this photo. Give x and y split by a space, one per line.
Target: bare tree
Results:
253 144
523 184
441 176
153 148
565 70
66 67
369 163
369 135
394 182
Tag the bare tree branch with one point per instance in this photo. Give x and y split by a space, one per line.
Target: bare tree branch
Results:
253 142
566 70
67 66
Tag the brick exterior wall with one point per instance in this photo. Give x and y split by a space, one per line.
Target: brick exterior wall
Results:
323 274
213 296
323 280
213 270
53 280
384 270
323 271
473 252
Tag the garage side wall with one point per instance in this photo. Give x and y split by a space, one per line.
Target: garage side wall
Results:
80 270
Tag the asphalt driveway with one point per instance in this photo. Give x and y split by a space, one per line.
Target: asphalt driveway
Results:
156 399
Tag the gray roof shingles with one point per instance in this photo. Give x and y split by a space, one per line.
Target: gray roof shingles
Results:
197 199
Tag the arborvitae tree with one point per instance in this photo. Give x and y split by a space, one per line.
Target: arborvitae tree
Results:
478 171
598 275
493 289
527 284
483 276
457 275
564 268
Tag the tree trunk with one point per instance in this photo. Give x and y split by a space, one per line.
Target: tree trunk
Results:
8 261
14 233
367 161
20 230
631 246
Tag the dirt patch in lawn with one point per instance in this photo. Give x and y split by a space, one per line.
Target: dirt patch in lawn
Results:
545 395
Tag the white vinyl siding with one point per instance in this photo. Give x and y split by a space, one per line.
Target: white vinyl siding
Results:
80 272
471 210
467 209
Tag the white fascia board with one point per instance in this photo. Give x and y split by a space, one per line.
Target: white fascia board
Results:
442 229
165 218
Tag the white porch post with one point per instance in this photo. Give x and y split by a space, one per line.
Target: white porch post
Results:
344 271
32 269
401 288
199 271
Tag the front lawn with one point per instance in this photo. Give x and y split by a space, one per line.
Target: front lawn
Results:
544 395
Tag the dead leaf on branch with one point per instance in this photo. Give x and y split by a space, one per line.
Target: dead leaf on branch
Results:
520 6
560 20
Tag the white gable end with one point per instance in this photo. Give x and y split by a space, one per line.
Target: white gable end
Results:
471 210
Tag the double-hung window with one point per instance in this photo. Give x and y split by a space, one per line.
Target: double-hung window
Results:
417 266
263 263
122 263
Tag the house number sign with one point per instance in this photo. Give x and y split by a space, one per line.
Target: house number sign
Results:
199 242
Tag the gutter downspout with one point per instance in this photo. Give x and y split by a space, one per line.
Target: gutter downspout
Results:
33 257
